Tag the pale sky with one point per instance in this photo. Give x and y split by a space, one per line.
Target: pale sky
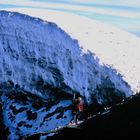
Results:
124 14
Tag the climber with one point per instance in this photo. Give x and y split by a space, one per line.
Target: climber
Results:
79 104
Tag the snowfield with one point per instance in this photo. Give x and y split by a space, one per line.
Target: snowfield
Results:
112 45
41 67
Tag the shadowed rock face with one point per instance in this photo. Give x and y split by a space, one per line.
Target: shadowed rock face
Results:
40 68
123 121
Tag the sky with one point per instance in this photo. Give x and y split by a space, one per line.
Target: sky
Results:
124 14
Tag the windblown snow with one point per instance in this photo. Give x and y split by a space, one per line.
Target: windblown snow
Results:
41 67
113 46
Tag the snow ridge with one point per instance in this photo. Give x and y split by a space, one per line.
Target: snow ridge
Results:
41 67
35 48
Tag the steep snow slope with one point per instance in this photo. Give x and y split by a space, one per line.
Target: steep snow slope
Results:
112 45
34 50
41 67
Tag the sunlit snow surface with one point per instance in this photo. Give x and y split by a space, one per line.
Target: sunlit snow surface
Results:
112 45
42 66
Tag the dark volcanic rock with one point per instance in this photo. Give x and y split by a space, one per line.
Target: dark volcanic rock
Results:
122 121
4 132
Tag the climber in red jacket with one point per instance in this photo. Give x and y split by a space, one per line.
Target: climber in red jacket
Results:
80 109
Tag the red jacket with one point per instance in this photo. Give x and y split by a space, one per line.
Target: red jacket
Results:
80 106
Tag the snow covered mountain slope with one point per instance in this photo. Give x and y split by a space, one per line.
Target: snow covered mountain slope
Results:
40 68
112 45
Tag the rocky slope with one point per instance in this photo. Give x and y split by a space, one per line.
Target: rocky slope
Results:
122 121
